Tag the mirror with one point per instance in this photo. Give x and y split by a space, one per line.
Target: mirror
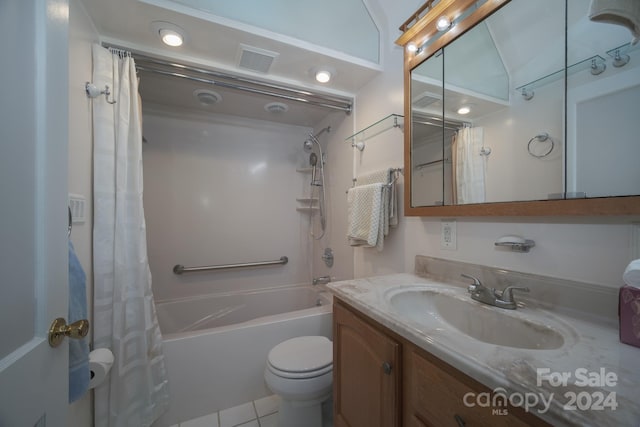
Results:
499 115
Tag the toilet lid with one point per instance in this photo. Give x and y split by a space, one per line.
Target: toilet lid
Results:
302 354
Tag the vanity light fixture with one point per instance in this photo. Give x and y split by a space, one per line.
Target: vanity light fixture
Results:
443 23
169 33
323 76
412 47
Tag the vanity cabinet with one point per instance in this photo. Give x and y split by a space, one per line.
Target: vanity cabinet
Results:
419 390
366 366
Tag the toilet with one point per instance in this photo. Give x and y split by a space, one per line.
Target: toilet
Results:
300 371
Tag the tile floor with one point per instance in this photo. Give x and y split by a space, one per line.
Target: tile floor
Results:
259 413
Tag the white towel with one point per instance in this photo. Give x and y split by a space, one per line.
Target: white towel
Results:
631 274
620 12
365 209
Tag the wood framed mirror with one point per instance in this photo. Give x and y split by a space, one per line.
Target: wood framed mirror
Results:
551 133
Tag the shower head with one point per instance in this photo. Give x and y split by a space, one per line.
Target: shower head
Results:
313 159
313 139
308 145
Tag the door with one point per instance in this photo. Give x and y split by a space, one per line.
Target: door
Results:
366 373
33 211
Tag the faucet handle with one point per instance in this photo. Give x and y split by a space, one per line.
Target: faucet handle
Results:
507 294
476 282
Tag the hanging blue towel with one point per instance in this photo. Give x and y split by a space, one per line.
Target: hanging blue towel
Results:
78 349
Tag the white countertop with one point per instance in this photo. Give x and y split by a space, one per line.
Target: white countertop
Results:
590 350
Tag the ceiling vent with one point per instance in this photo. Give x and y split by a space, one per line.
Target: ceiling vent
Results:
207 97
276 107
256 59
425 99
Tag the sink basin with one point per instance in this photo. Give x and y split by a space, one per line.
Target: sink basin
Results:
454 308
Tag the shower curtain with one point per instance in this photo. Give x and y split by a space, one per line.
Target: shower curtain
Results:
136 391
468 166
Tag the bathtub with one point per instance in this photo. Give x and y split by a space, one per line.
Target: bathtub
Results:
216 346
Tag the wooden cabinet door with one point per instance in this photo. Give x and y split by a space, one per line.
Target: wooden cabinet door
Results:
366 365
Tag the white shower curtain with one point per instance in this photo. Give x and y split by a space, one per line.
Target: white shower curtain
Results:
136 391
469 165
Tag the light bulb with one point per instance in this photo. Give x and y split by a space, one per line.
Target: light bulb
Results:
323 76
443 23
171 38
411 47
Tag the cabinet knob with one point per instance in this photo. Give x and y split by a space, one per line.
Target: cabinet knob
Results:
386 367
459 420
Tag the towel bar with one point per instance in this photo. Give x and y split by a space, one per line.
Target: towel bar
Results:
179 269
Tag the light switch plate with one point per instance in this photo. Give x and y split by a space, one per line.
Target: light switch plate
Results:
448 238
77 204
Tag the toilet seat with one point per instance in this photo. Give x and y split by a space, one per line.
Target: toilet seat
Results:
301 357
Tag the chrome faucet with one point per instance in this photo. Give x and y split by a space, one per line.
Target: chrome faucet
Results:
322 280
491 296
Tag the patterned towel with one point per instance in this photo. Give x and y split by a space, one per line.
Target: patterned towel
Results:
385 176
365 215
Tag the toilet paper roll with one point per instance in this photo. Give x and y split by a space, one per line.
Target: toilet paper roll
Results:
100 362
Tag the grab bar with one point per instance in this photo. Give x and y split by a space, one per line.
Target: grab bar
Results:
179 269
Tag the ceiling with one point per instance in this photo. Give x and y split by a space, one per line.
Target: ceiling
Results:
214 42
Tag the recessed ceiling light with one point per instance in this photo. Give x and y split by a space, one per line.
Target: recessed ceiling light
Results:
169 33
443 23
323 76
465 109
171 38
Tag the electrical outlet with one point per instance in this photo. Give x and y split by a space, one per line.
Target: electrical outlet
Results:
448 235
635 240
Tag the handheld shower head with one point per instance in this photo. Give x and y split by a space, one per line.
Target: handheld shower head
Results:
313 161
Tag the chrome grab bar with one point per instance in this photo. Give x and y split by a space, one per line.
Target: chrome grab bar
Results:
179 269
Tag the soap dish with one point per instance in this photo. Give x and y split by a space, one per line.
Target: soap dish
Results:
515 243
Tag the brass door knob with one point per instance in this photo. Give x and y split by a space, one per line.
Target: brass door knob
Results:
59 329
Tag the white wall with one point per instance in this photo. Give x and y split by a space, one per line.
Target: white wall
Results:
222 190
82 34
594 250
511 172
602 131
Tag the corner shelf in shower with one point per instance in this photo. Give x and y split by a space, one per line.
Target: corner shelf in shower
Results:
307 208
390 122
307 204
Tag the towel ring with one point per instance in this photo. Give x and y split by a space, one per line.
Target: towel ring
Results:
541 137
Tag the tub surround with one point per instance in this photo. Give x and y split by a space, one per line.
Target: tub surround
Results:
588 311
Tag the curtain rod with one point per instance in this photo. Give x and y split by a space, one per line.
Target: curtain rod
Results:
201 75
